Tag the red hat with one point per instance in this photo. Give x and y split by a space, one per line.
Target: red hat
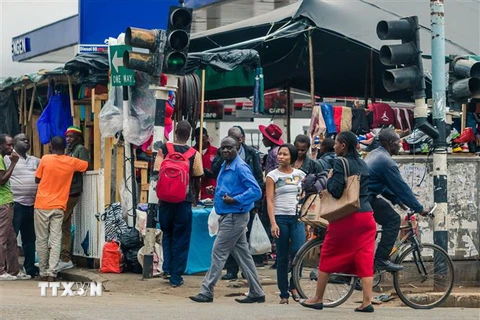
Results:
272 132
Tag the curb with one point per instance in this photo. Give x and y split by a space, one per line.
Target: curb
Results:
82 275
454 300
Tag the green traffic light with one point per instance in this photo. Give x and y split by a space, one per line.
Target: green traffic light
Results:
176 61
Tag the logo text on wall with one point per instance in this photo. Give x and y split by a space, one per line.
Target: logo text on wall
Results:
70 289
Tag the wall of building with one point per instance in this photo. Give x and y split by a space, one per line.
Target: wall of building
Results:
463 200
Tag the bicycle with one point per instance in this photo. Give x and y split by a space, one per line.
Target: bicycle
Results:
425 282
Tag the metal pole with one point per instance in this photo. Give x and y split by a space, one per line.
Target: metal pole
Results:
129 169
158 137
202 110
437 20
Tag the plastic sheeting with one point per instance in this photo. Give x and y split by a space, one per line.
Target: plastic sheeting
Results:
8 113
223 61
111 115
142 111
89 68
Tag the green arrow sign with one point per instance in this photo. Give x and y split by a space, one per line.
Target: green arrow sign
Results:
121 76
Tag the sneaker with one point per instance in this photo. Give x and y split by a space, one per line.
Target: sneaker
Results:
23 276
7 277
64 265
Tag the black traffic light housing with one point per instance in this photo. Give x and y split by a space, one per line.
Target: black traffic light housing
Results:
407 54
154 41
178 40
464 79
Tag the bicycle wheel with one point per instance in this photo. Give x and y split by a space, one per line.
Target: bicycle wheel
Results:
424 287
305 271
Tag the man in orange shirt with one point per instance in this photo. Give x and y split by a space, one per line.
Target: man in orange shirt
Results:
54 175
208 154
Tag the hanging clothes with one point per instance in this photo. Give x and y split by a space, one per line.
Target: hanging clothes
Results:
327 112
56 118
346 122
337 117
360 122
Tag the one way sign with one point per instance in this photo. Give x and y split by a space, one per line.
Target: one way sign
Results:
121 76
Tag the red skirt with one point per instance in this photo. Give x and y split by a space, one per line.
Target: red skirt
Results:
349 245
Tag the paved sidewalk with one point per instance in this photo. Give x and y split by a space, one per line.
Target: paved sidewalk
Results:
461 297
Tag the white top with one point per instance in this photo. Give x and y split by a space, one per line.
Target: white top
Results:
287 187
22 181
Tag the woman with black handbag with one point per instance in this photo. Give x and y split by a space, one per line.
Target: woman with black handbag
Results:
349 244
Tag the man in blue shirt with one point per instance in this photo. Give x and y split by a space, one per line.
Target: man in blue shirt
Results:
386 180
235 193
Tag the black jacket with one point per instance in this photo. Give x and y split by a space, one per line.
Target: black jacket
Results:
251 158
336 184
327 160
311 166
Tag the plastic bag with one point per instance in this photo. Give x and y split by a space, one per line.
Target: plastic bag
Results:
142 111
213 223
110 117
259 241
112 258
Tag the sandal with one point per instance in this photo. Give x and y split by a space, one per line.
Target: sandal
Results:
295 296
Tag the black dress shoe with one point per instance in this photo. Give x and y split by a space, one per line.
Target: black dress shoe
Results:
316 306
201 298
251 300
387 265
368 308
230 276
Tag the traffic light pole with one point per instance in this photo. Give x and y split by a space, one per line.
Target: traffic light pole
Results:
158 136
437 20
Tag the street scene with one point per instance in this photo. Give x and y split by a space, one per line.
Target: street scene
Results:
187 157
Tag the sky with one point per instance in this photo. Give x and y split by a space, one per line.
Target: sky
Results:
20 16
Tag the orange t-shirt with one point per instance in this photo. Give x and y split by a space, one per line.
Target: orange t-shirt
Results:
55 173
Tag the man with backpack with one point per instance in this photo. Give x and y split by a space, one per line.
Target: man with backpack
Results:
178 188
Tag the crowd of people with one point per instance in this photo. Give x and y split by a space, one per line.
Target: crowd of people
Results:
37 198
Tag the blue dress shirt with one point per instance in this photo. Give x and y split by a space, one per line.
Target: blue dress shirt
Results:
239 183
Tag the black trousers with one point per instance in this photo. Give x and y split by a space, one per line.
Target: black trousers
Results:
389 219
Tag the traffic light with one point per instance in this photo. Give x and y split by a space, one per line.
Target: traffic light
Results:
408 55
178 40
464 79
154 41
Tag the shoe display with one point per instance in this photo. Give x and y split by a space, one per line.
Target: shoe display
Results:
251 300
7 277
465 148
201 298
230 276
457 149
387 265
466 136
417 136
453 135
64 265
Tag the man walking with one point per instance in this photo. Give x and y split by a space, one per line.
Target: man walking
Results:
250 156
176 218
235 194
76 149
24 190
54 176
386 180
9 268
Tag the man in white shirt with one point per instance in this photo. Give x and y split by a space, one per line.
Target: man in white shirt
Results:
24 190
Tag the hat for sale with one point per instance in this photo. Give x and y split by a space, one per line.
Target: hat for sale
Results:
73 129
272 132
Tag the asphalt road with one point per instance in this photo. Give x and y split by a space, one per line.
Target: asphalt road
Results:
22 300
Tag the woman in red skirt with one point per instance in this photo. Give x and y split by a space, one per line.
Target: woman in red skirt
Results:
350 242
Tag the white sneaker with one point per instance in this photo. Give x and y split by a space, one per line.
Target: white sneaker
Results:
64 265
7 277
23 276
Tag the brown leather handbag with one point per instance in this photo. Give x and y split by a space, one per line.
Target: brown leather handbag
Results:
332 209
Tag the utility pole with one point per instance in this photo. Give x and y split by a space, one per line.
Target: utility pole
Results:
437 21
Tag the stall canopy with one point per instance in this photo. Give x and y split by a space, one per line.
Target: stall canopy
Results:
345 43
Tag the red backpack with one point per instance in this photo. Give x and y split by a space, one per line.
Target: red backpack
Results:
174 175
